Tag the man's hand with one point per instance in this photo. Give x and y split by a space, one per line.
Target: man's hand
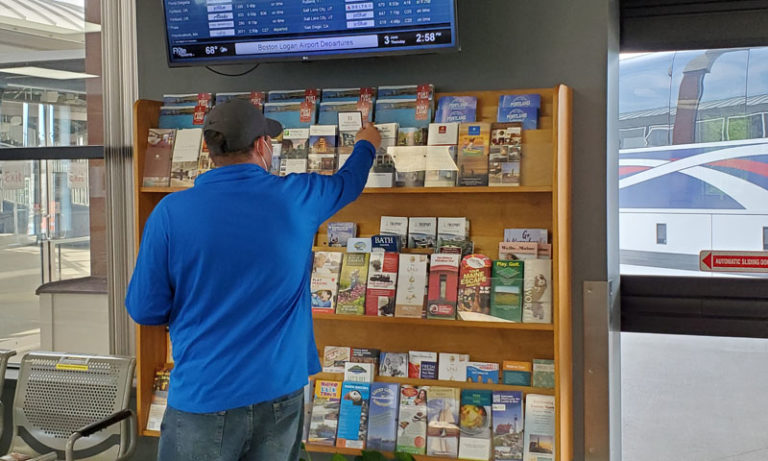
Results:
369 133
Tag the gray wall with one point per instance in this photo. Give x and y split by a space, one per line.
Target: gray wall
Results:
505 44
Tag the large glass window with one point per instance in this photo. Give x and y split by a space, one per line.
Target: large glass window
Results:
48 76
51 211
703 172
44 236
706 188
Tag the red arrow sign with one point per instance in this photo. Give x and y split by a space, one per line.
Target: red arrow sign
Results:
733 261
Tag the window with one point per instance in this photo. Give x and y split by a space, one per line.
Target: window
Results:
757 91
765 238
644 93
745 127
694 342
632 138
50 97
704 172
658 136
711 130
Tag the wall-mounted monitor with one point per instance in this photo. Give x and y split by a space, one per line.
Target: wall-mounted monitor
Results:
206 32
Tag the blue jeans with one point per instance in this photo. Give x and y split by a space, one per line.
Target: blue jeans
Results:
267 431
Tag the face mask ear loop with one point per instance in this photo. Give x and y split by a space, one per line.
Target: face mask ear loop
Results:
261 157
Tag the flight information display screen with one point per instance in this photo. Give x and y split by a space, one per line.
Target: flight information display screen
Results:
221 31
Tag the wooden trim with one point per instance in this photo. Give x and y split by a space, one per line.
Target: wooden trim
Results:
150 355
356 452
148 433
459 190
145 116
150 341
441 323
562 273
436 382
412 251
162 190
410 190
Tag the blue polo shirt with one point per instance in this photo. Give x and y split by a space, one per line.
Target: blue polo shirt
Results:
226 264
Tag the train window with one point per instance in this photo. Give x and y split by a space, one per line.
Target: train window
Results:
644 97
712 130
658 136
765 125
765 238
745 127
757 80
661 233
632 138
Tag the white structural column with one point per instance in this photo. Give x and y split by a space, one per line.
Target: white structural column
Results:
120 92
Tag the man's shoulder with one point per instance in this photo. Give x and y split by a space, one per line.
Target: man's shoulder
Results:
175 202
295 181
178 197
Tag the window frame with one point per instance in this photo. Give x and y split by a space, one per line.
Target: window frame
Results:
705 306
52 153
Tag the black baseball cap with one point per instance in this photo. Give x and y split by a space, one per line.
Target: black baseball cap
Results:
241 123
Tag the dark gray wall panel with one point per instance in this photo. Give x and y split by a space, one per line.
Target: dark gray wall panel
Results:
692 24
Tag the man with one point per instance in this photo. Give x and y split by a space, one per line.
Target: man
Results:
226 265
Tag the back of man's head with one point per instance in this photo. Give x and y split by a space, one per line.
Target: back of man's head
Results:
231 128
218 146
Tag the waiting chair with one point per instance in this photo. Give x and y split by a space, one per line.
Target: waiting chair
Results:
66 398
4 356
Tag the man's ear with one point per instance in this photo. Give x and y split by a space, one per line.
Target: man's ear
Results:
260 147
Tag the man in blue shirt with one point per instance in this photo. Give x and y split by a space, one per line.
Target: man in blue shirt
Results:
226 264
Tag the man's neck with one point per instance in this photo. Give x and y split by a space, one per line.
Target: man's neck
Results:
237 160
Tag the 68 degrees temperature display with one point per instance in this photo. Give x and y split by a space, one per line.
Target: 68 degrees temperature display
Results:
218 50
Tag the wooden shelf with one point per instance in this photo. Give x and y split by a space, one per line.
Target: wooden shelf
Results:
420 251
543 202
458 190
409 190
356 452
434 322
436 382
162 190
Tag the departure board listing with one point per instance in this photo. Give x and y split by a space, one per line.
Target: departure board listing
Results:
231 30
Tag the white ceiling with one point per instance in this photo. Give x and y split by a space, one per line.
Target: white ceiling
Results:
41 25
43 33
